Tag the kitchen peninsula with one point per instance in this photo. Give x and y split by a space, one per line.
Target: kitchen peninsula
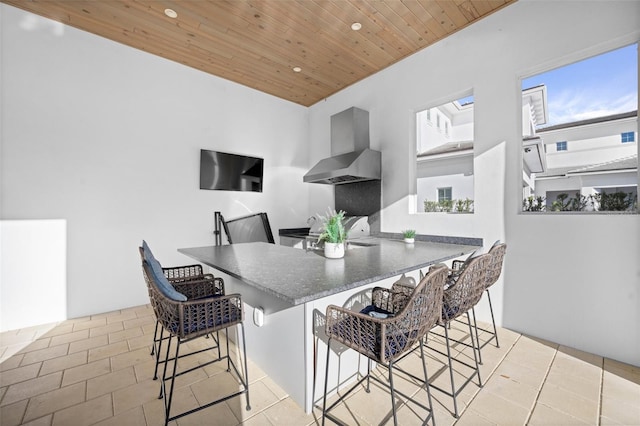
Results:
293 287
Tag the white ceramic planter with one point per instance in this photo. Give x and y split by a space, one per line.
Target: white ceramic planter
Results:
409 240
333 250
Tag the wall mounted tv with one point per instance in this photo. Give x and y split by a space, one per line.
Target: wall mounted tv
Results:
230 172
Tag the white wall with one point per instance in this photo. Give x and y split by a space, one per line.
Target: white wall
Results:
592 144
573 280
577 157
107 138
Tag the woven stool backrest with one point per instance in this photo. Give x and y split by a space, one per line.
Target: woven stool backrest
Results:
494 268
467 290
167 311
421 313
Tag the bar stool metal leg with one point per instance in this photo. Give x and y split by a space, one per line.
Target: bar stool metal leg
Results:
326 381
493 320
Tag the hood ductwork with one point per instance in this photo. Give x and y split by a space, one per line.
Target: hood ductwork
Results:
351 159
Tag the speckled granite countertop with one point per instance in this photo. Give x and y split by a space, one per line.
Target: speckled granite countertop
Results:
298 276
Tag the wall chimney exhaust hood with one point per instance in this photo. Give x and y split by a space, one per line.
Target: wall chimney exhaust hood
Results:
351 159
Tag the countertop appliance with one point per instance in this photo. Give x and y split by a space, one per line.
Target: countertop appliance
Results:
357 228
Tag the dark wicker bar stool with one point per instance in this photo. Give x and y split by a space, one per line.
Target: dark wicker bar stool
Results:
459 297
385 331
188 280
186 320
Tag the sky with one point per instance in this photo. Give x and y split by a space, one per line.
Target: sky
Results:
595 87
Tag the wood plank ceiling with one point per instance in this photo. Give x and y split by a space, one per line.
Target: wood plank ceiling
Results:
258 43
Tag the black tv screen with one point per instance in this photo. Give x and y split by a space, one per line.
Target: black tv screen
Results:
230 172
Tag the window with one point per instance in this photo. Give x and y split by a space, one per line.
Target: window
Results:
444 157
444 194
627 137
580 104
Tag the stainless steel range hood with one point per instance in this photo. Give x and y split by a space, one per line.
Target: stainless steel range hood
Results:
351 160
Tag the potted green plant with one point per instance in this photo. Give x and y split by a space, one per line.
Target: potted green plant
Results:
333 235
409 236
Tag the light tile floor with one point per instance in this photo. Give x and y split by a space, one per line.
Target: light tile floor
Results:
97 370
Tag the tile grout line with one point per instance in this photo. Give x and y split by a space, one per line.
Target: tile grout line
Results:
599 418
38 375
473 397
535 402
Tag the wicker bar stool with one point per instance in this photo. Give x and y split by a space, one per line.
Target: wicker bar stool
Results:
186 320
494 269
459 297
188 280
385 340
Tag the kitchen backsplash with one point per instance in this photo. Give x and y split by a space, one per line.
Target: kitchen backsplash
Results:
361 199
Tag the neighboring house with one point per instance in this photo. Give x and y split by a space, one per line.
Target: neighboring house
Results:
590 157
444 168
586 157
445 153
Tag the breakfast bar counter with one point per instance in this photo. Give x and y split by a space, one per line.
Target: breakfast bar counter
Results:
286 292
299 276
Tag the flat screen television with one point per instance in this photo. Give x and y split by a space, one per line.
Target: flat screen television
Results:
230 172
248 229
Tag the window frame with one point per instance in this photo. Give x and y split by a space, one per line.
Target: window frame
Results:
564 62
445 188
421 201
630 137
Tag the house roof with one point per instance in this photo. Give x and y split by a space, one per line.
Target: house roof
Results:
448 148
630 114
536 97
629 163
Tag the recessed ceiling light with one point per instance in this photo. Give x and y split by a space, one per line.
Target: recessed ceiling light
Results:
171 13
356 26
297 69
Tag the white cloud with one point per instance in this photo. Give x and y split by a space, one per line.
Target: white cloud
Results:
570 105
